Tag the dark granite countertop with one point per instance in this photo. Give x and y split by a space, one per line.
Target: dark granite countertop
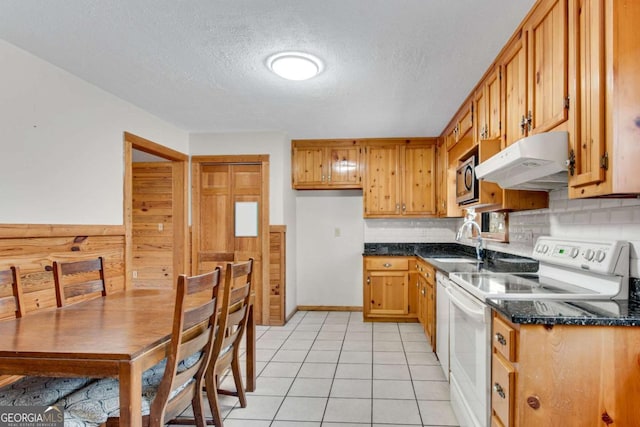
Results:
570 312
526 312
496 262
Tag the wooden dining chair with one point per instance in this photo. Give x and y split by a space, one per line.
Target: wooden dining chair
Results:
11 306
226 349
11 301
170 387
18 390
79 280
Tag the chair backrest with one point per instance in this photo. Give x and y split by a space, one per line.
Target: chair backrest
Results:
196 306
11 302
233 313
79 280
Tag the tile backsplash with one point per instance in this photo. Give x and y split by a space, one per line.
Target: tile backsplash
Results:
598 219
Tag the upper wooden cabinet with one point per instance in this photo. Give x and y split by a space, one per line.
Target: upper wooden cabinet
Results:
325 164
488 107
548 66
400 178
604 46
534 70
462 126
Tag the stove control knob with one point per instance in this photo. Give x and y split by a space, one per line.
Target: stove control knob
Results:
545 249
574 252
600 255
539 248
588 255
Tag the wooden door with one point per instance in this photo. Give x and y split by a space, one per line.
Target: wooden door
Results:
344 166
308 166
388 292
514 80
221 190
382 181
548 66
493 103
588 140
419 183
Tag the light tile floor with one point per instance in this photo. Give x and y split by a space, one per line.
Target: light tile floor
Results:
331 369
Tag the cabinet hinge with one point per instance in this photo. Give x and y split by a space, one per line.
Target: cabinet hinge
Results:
571 163
567 102
604 161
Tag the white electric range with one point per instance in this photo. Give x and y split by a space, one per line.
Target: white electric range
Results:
570 269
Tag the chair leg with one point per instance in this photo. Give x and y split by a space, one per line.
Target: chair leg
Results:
212 396
237 378
198 407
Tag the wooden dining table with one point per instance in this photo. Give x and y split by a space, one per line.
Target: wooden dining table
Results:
119 335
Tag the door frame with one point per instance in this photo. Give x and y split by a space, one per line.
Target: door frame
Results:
262 295
180 178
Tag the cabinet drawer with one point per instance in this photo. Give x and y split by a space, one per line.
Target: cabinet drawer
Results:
504 339
502 388
382 263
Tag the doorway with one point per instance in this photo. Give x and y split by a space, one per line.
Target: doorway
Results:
155 214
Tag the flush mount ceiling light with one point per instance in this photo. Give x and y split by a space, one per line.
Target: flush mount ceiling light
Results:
294 65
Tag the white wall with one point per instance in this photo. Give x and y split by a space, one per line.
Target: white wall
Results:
330 266
62 144
281 197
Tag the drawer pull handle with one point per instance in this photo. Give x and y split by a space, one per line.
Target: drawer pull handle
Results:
386 265
501 339
498 389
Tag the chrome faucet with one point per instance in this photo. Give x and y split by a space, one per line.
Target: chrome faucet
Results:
469 222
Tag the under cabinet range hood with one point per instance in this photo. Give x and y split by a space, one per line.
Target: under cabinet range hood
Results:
537 162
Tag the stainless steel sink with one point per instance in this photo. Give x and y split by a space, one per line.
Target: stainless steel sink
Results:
456 260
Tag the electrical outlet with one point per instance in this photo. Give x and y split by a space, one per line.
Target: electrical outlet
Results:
135 274
160 226
337 232
527 235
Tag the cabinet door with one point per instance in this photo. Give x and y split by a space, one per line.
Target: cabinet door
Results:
466 122
493 104
431 314
514 80
441 179
382 181
480 108
344 166
419 183
308 166
547 30
388 292
588 140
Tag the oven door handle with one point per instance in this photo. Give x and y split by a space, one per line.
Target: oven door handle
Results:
457 300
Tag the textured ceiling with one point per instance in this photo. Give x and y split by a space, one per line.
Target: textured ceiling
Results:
392 67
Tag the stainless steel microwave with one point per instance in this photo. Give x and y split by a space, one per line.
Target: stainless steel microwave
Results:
466 182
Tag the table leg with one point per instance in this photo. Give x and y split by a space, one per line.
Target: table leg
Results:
251 350
130 395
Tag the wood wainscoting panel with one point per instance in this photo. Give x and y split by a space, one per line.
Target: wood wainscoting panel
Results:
277 274
34 247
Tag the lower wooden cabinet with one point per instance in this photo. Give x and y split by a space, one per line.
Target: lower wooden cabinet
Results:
425 286
387 294
564 375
